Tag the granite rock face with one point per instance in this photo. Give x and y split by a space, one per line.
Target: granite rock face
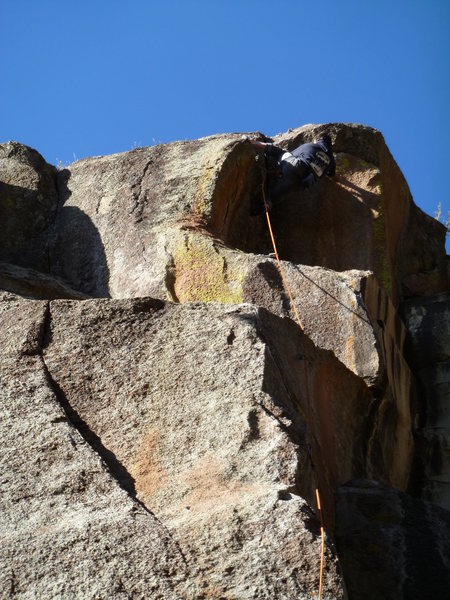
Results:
365 218
122 219
134 473
120 212
170 408
68 529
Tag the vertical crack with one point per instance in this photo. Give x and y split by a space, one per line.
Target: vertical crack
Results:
136 190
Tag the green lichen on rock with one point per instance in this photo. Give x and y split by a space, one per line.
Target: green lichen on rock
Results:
201 273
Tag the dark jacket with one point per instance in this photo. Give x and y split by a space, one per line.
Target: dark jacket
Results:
317 156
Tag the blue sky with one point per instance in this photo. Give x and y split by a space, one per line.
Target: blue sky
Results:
82 78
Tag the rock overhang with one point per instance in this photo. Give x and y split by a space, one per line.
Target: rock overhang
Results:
118 213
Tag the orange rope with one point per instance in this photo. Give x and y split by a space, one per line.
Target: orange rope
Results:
297 316
322 543
280 267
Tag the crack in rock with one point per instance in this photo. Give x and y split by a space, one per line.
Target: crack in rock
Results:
114 467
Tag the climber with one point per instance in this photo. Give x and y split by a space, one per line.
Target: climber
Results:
304 166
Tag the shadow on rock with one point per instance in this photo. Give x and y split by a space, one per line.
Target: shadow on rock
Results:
326 226
77 253
25 215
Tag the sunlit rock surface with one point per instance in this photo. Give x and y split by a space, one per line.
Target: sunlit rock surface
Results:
162 411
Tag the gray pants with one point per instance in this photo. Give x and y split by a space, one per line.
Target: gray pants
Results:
293 173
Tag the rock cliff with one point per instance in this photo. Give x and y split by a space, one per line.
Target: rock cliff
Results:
165 422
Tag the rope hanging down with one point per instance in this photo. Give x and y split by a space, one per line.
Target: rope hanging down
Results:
299 322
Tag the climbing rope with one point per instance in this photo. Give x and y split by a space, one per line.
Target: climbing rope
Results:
308 403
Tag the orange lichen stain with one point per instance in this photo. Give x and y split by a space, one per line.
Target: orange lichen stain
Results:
214 592
210 489
148 474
